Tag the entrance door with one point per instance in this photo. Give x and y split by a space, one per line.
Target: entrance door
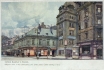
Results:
99 53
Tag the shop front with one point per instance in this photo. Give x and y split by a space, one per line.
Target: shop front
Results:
75 52
90 50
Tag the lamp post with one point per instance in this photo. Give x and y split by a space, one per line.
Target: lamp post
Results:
37 46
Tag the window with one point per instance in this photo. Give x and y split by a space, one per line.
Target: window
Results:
86 25
40 41
60 25
48 40
33 42
46 33
71 32
79 17
79 37
53 43
28 42
71 25
72 17
61 42
71 42
99 10
60 33
86 34
86 49
99 21
61 18
79 27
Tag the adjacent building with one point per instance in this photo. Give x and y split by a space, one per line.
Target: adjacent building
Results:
90 31
66 28
80 24
36 40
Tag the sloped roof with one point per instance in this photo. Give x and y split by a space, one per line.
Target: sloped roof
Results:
43 32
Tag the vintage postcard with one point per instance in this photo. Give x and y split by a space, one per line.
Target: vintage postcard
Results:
63 35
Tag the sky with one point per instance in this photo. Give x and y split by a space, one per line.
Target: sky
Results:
15 15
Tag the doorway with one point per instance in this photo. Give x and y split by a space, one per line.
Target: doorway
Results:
99 53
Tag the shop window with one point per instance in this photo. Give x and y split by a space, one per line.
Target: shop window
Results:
61 52
86 50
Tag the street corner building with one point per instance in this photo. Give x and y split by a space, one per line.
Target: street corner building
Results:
42 40
80 30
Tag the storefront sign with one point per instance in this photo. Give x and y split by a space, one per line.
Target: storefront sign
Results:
85 43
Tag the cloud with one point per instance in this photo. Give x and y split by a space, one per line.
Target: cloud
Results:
18 14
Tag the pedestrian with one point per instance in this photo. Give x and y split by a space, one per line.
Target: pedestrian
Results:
28 54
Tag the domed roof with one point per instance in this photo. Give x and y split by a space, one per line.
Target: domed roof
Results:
70 4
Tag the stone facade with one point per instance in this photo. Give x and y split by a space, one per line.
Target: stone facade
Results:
66 28
86 28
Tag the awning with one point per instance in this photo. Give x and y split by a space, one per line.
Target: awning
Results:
8 50
75 45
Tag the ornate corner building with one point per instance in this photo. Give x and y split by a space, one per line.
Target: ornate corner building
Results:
80 23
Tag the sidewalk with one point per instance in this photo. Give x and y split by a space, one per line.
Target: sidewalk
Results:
56 57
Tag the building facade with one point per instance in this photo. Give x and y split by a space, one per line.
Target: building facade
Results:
32 42
90 33
80 23
66 28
